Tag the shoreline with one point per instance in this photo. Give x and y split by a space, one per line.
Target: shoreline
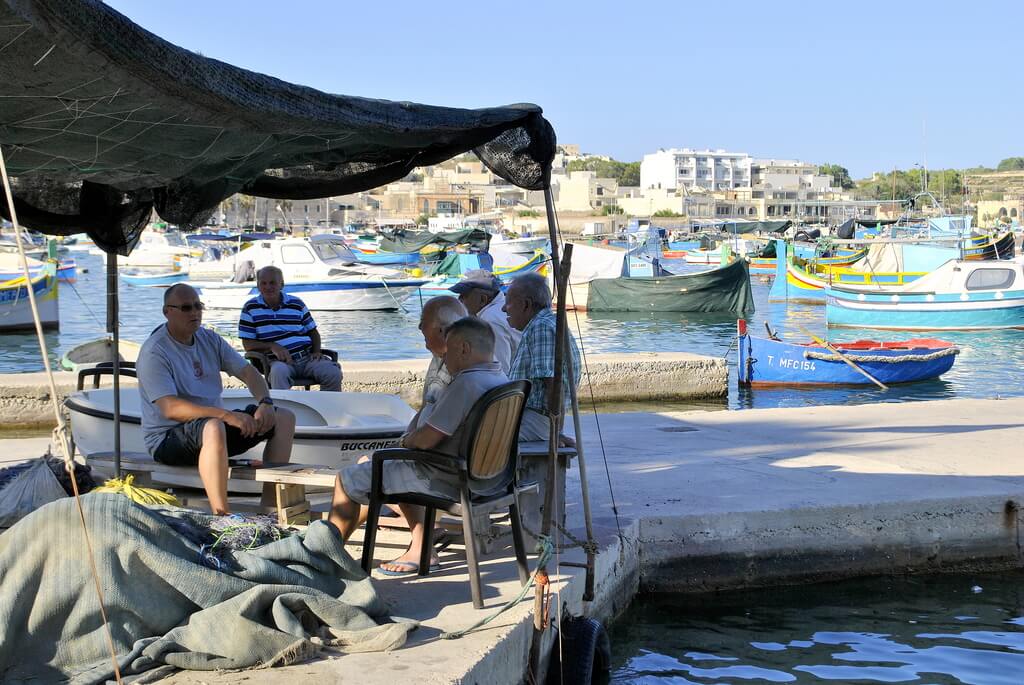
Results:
613 378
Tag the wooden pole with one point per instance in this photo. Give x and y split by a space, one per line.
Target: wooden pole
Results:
833 350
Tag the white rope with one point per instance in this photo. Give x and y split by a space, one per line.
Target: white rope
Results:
60 432
868 358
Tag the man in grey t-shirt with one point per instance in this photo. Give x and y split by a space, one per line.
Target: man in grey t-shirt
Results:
184 422
470 359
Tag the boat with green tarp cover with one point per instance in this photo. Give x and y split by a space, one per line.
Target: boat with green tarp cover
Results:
726 289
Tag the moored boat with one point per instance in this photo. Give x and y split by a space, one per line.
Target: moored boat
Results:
772 362
153 278
959 295
332 428
725 289
16 308
97 351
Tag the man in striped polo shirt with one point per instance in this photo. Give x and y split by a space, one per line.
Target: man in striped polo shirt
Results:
280 324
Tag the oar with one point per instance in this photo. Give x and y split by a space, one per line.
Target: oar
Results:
842 356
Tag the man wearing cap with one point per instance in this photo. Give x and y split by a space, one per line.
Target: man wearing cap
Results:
480 292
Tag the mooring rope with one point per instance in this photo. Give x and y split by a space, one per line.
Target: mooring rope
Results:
546 550
865 358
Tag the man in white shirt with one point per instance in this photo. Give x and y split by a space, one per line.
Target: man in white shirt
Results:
480 292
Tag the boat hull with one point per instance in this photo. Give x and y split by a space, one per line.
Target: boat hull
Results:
319 296
332 429
917 313
16 308
765 362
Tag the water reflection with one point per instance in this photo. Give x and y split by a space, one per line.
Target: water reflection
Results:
938 629
991 363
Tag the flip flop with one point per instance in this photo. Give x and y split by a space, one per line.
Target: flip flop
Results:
412 566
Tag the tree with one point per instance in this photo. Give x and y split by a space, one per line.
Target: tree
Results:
626 173
1011 164
840 175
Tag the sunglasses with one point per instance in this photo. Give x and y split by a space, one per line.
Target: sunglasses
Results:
186 308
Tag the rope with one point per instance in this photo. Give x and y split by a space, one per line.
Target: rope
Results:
546 550
60 433
126 486
864 358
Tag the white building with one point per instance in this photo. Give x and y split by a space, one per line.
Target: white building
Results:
685 168
789 174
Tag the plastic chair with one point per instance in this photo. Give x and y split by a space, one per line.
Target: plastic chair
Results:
262 361
486 472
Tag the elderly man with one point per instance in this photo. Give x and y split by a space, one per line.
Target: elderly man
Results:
469 357
436 316
528 306
480 291
280 324
184 422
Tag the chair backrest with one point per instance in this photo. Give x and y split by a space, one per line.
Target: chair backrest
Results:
491 441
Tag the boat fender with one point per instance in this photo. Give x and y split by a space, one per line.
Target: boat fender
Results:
586 651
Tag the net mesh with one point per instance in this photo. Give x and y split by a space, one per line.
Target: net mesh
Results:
103 122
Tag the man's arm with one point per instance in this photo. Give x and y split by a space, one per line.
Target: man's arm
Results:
181 410
314 344
426 437
257 385
276 349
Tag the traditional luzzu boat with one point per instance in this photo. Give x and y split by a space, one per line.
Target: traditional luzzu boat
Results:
449 272
772 362
332 428
16 308
991 247
959 295
880 265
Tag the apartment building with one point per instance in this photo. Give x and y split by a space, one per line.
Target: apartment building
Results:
685 168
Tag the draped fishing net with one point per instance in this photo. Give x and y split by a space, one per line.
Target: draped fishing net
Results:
102 121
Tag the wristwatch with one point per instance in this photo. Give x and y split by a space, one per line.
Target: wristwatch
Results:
267 400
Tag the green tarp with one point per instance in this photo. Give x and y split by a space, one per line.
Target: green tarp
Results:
738 227
722 290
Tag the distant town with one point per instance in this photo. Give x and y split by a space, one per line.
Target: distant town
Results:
680 187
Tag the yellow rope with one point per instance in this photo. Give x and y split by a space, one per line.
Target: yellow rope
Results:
126 486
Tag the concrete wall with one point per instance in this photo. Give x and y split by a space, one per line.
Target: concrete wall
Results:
25 398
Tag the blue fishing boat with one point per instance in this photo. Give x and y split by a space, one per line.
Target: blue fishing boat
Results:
154 278
769 361
959 295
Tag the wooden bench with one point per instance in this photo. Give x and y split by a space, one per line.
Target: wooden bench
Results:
291 480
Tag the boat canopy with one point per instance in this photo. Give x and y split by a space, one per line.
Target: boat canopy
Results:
103 122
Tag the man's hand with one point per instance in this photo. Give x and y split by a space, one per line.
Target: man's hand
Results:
282 353
316 356
265 417
245 424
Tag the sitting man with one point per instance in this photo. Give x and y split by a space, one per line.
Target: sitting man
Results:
470 359
480 292
280 324
436 316
184 422
528 305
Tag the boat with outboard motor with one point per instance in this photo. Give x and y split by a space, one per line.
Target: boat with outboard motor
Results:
322 270
332 428
773 362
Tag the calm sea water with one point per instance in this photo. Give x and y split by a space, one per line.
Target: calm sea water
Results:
927 629
991 364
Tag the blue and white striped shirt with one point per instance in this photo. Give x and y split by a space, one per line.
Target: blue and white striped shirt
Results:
289 325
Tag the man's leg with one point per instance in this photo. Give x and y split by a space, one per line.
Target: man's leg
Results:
346 514
280 376
410 561
326 373
278 449
213 465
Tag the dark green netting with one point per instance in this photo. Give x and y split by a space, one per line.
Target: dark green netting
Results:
101 121
414 241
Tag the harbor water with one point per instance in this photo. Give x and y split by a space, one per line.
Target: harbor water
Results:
946 629
990 365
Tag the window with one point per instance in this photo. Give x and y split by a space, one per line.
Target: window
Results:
600 190
990 279
296 254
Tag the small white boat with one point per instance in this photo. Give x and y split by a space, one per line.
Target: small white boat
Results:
322 271
96 351
157 279
332 429
16 308
155 250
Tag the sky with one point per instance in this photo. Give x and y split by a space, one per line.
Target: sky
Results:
869 85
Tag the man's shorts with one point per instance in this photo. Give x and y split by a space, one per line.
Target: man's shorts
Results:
181 444
400 476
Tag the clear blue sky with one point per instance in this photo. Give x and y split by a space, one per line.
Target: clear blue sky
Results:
869 85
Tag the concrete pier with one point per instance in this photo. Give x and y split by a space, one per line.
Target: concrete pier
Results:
637 377
713 500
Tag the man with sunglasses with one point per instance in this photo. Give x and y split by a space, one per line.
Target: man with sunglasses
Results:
184 422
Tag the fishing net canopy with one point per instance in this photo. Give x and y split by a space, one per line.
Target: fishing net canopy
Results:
102 122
